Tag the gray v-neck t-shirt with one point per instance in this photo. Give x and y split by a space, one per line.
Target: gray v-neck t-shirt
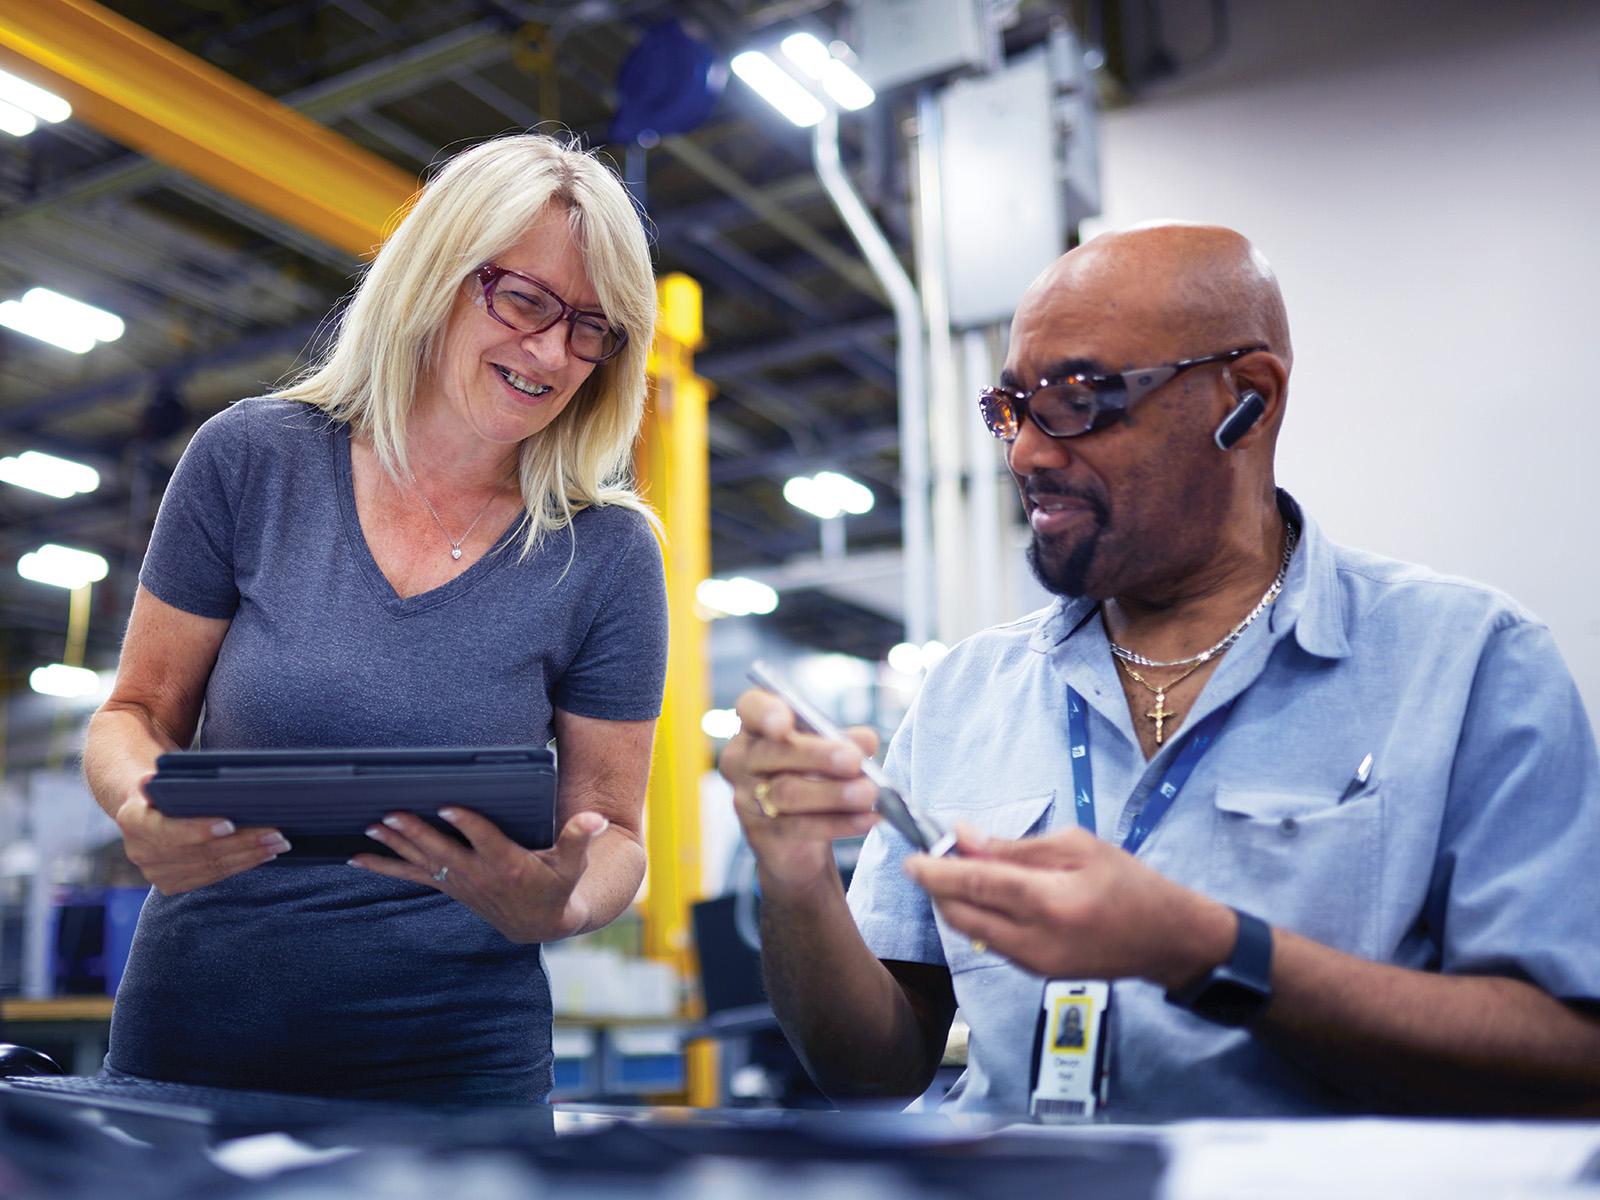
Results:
331 979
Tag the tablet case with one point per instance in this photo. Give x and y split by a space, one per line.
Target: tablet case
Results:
323 801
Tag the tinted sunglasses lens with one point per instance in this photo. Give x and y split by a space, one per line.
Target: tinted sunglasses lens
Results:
1066 409
999 414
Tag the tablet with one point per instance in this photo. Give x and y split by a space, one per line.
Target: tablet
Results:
324 800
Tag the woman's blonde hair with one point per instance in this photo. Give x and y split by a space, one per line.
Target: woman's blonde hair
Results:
480 204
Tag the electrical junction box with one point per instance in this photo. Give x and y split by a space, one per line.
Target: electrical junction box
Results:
902 41
1018 168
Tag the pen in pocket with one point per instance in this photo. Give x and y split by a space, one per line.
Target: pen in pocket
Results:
1358 780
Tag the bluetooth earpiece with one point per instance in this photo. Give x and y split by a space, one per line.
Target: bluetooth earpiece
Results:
1238 423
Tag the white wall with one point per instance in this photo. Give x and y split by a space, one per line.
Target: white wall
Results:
1426 180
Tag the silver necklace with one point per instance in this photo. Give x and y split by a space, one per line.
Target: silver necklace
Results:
1234 634
455 546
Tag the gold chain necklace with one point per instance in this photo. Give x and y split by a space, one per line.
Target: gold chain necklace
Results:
1160 713
1125 658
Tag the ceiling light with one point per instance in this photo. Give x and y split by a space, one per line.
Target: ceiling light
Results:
16 122
106 327
736 597
62 566
58 477
827 494
908 658
60 320
778 88
806 52
58 679
722 723
905 658
847 88
47 106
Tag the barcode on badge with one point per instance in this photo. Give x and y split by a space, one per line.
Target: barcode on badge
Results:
1059 1108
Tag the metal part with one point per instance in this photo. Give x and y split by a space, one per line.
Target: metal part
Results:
907 306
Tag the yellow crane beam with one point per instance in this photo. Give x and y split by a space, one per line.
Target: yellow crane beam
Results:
164 102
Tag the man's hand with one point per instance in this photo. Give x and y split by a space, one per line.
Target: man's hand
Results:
795 792
1070 906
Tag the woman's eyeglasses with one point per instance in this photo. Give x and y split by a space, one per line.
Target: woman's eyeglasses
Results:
527 306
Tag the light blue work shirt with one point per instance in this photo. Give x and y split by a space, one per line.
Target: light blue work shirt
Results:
1471 850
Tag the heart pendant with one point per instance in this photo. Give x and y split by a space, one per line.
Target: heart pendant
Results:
455 552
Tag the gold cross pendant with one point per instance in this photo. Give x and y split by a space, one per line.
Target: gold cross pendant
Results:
1160 713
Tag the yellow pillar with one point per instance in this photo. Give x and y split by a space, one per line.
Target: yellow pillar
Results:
164 102
673 474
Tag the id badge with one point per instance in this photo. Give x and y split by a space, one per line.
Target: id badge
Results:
1069 1076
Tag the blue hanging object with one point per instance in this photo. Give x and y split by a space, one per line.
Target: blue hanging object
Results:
666 86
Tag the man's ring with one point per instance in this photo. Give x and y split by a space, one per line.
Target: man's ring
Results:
979 946
438 876
763 793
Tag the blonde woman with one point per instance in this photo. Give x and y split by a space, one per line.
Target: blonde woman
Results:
427 541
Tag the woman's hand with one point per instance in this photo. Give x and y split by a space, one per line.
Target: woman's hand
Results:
528 895
179 854
796 792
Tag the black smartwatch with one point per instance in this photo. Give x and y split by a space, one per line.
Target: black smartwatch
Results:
1238 991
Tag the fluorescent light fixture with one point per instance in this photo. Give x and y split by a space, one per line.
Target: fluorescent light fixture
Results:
16 315
62 566
106 327
847 88
58 477
60 320
721 723
806 52
69 683
47 106
778 88
736 597
908 658
827 494
16 122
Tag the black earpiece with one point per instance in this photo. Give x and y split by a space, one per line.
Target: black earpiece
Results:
1237 423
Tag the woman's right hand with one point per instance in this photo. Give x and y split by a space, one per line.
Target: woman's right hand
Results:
796 792
179 854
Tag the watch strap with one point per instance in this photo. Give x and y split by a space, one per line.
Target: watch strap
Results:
1239 990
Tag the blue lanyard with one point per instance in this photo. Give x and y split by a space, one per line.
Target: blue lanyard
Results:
1166 791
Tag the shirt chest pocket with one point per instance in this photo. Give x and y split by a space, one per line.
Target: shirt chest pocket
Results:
1301 861
1013 819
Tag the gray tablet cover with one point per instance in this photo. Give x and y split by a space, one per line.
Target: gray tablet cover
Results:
324 800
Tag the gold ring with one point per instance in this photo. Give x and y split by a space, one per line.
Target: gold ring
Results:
763 793
979 946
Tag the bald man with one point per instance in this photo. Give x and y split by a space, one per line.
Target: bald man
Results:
1328 823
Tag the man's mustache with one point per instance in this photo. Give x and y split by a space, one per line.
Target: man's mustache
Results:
1042 489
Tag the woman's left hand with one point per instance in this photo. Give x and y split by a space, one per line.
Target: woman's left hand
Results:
528 895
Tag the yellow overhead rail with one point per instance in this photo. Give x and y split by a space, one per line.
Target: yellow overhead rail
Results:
173 107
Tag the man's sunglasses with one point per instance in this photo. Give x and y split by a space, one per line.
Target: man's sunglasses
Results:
1078 404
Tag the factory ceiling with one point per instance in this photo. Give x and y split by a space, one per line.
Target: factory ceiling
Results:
221 301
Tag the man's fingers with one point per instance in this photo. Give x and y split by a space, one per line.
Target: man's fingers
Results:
864 737
796 795
802 754
822 827
998 886
764 715
1063 850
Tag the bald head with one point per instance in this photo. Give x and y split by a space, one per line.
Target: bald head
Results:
1202 288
